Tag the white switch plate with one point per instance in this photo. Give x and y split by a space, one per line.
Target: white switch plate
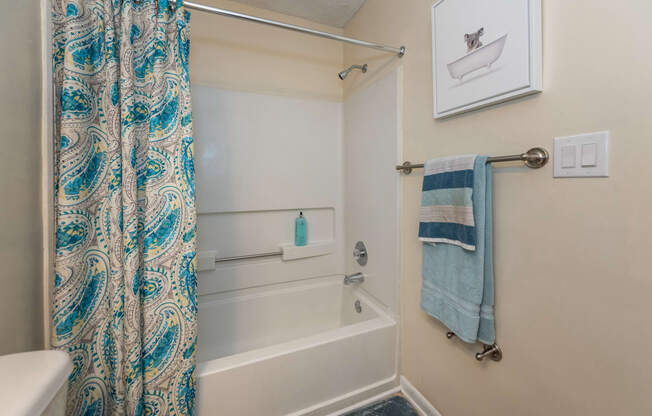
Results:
589 161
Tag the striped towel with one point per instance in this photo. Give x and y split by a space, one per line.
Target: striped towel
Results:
458 284
446 202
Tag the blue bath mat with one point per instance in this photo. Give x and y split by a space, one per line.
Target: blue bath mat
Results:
394 406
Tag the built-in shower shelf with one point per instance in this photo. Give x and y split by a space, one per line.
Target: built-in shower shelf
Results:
318 248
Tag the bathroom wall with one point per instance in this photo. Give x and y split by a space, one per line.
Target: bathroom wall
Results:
243 56
268 128
571 255
20 176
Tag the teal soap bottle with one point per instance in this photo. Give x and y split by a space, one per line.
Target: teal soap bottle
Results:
300 231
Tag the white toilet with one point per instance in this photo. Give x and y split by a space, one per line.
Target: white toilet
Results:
34 383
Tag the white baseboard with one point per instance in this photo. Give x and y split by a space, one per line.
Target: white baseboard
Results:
417 400
372 394
352 400
374 399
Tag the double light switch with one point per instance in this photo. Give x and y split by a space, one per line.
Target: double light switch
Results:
584 155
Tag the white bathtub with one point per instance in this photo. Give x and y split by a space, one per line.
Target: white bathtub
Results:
482 57
294 350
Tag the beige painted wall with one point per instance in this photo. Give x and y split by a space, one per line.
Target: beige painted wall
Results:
233 54
20 175
573 274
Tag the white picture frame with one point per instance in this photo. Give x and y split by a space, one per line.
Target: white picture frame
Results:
484 53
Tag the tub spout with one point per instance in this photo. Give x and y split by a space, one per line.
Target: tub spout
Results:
353 278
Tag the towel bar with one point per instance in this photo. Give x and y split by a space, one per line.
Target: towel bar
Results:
492 351
534 158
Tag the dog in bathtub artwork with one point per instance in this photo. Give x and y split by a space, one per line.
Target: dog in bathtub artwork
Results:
484 52
478 56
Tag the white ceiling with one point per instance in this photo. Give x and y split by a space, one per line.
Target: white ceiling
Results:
330 12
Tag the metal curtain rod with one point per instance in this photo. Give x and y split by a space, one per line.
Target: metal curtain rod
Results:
400 52
534 158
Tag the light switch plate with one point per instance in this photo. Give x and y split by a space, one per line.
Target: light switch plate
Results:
591 155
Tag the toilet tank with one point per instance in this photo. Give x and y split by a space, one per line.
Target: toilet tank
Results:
34 383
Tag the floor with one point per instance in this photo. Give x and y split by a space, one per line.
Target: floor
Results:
394 406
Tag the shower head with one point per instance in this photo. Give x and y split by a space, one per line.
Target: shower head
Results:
345 73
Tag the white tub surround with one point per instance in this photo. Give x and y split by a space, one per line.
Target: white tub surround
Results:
372 141
31 381
292 350
261 159
280 335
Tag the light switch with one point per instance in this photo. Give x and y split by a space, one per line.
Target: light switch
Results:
589 154
568 153
582 156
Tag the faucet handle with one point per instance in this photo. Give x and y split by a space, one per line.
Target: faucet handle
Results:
354 278
360 253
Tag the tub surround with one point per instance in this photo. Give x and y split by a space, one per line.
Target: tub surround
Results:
269 131
260 160
289 317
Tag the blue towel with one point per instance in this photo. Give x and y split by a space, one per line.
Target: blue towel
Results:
458 284
446 207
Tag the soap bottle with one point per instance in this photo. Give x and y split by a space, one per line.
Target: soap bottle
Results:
300 231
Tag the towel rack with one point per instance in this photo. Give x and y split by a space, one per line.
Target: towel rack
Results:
534 158
488 351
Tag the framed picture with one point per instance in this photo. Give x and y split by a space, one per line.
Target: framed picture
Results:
484 52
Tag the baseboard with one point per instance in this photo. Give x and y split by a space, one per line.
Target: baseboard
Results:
352 400
381 396
417 400
371 394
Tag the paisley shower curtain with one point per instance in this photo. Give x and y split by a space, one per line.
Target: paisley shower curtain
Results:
124 301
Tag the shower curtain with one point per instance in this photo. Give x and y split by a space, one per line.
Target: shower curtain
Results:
124 298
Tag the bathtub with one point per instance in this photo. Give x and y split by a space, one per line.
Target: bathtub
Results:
302 349
482 57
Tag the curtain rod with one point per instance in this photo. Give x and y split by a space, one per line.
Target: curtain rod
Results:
400 52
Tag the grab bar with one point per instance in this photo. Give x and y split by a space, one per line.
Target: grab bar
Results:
250 256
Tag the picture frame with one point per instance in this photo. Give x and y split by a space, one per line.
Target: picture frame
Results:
484 53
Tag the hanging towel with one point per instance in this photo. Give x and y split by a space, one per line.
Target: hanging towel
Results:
446 206
458 284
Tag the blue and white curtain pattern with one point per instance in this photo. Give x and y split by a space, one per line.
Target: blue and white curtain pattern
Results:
124 304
